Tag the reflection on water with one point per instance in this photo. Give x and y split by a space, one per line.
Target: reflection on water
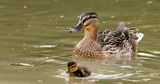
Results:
35 43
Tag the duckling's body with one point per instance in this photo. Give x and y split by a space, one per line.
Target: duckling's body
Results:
94 44
77 71
81 72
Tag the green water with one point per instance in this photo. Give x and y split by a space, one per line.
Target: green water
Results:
35 43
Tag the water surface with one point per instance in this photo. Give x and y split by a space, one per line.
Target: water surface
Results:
35 43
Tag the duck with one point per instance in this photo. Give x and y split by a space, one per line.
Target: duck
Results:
110 42
77 71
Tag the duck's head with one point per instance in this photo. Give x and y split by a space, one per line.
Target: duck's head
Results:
88 21
72 67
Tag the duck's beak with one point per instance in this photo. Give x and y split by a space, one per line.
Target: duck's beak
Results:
67 71
78 27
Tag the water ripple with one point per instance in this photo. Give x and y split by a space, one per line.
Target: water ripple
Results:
23 64
44 46
111 76
146 54
155 52
96 75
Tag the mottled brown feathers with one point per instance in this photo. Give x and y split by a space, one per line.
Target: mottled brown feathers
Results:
88 49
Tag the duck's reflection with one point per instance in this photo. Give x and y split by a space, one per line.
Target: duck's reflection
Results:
105 64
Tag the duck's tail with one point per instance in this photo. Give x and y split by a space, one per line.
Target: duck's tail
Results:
140 37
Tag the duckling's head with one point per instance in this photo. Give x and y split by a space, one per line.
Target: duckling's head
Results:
87 20
72 67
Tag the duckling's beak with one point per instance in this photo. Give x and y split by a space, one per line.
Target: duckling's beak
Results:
67 71
78 27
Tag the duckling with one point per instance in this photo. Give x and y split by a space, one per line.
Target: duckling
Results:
77 71
96 44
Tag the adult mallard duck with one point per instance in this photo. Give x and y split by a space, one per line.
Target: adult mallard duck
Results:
77 71
117 42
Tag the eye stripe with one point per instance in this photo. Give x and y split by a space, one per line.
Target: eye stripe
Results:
88 23
74 65
73 69
89 17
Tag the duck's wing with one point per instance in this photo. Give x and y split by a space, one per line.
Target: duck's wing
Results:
101 36
120 38
113 37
